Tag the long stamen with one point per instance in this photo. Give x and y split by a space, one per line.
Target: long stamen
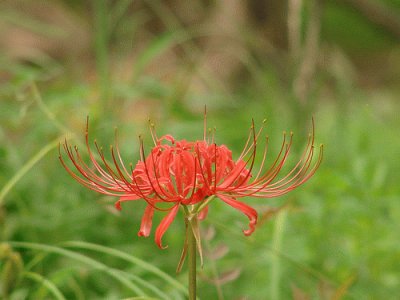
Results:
292 179
247 148
147 172
306 175
146 198
205 181
263 159
111 171
90 182
272 169
154 137
118 152
252 158
82 167
213 135
305 162
91 156
271 174
121 175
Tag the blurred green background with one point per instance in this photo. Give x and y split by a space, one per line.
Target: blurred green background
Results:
122 62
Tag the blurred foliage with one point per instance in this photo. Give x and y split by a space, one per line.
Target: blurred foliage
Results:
122 62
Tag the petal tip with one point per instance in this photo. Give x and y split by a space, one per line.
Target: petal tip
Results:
252 227
143 233
161 246
117 205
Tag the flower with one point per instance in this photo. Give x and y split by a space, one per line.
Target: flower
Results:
190 174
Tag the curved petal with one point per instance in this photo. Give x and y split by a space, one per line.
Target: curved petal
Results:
250 212
164 224
234 174
147 220
125 198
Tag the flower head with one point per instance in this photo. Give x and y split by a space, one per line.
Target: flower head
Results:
190 174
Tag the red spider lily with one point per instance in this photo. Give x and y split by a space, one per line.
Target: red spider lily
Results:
190 174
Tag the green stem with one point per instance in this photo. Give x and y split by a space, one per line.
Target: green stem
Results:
192 262
203 204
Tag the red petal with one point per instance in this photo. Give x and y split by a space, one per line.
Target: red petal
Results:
145 226
234 174
162 228
250 212
125 198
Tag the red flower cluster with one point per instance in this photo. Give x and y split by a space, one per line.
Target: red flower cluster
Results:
186 173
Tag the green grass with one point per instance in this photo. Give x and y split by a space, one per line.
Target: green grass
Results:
337 237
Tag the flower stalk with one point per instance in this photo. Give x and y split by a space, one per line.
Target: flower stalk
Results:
192 262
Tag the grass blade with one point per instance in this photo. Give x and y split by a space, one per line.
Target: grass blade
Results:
46 283
116 274
17 176
129 258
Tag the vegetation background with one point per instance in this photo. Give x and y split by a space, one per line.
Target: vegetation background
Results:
122 62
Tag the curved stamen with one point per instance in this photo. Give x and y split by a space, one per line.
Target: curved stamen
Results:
147 172
234 176
253 157
153 134
118 152
263 159
110 170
